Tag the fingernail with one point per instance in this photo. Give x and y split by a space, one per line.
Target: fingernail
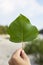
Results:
22 51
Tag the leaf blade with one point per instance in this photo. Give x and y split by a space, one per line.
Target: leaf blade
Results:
21 30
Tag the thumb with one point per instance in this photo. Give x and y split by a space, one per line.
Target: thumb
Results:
24 56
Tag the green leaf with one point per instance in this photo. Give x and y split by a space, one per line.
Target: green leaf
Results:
21 30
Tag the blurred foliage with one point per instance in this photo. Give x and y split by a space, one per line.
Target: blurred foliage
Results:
36 48
41 31
3 29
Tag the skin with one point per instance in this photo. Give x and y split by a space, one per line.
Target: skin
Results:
19 58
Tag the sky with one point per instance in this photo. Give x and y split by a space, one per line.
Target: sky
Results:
10 9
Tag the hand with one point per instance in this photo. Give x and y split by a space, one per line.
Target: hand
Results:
19 58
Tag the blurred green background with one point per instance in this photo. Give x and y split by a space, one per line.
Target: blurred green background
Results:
35 48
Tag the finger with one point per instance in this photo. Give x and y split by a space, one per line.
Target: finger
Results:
16 56
17 53
24 56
